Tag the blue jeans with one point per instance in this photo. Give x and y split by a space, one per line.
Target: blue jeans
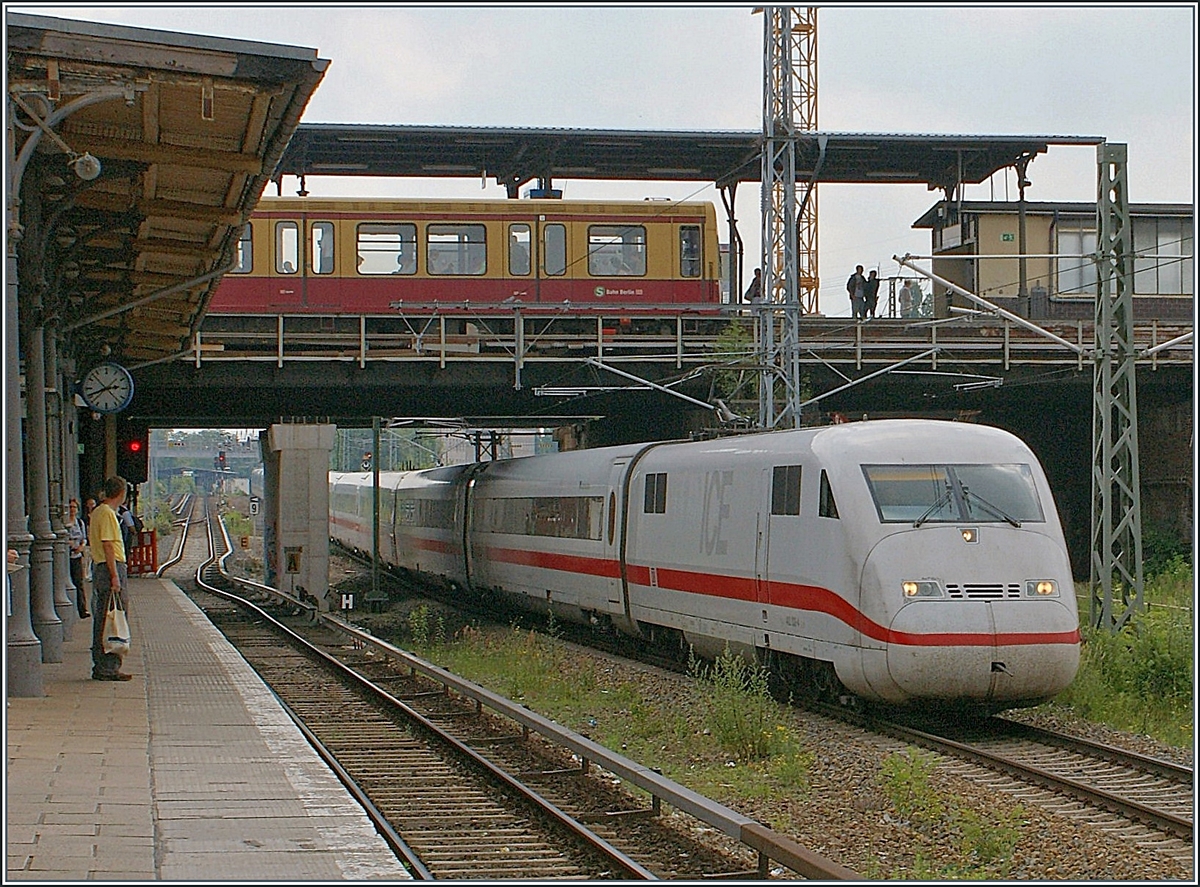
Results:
105 663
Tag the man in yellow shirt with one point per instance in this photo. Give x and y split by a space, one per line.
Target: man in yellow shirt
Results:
109 575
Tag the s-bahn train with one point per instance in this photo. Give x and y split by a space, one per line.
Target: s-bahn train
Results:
330 256
910 562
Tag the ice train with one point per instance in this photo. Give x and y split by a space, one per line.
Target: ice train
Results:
902 561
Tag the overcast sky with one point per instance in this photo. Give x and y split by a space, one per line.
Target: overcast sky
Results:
1122 72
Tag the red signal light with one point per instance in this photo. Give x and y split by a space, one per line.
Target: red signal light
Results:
135 446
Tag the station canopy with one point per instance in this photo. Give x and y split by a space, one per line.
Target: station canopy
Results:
514 156
140 155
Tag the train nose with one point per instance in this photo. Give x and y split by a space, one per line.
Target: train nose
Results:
979 632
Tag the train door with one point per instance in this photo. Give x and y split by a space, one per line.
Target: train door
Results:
614 519
781 507
688 262
553 265
318 280
286 269
521 262
762 540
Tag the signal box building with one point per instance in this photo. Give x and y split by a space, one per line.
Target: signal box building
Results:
1061 288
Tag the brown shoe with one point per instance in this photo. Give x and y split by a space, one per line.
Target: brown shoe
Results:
119 676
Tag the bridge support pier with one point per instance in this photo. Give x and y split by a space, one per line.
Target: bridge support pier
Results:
296 516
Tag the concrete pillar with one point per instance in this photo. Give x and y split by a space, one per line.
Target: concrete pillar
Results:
299 509
269 507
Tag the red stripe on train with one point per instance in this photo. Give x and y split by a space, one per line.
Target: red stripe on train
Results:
793 596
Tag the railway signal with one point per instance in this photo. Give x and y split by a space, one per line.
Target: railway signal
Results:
133 451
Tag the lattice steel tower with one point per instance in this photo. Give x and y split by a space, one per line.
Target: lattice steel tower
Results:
789 226
1116 487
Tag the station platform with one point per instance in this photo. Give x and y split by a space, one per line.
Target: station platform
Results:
191 771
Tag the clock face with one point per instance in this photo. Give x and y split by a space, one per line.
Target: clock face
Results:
107 388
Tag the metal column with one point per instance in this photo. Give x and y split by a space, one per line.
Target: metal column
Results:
1116 574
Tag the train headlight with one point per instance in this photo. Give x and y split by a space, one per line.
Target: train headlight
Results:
924 588
1041 588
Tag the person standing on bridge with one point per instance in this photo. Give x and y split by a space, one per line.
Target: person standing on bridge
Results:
109 576
856 287
871 295
754 290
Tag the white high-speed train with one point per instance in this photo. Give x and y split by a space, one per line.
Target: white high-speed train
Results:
907 561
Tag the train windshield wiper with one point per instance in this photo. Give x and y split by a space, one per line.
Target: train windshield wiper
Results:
941 501
999 512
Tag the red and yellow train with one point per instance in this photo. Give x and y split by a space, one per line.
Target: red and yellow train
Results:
327 256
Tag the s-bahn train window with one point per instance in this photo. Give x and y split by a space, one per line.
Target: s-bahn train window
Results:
945 493
554 249
456 249
616 251
656 494
387 248
785 489
689 251
827 507
245 252
518 250
321 234
287 247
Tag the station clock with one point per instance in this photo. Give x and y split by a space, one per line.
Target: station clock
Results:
107 387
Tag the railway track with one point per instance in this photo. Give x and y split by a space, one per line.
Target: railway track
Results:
461 792
1138 799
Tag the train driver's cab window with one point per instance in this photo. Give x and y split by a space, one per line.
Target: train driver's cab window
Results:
322 247
655 499
946 493
617 251
554 249
785 489
518 250
287 247
689 251
245 252
456 249
826 507
387 248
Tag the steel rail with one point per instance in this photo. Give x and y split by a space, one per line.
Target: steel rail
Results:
582 832
1166 822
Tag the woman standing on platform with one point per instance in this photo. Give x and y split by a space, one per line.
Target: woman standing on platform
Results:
77 540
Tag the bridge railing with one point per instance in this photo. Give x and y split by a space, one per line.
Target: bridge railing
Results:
677 337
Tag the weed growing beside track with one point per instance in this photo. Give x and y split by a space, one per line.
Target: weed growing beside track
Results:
1141 679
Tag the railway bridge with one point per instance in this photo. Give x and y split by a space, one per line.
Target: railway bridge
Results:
652 375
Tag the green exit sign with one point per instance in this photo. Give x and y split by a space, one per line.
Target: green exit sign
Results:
1007 238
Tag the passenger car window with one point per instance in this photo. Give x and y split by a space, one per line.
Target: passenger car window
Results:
555 249
322 247
387 248
456 249
287 247
245 252
616 250
689 251
518 250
